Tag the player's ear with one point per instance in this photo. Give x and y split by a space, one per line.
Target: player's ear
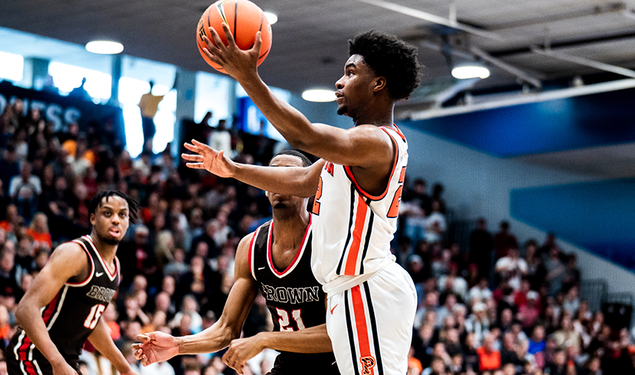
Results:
92 219
380 84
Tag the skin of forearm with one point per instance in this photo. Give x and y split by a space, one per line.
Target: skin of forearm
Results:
310 340
287 181
30 319
210 340
100 339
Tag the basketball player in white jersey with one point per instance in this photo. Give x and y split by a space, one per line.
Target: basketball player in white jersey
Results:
357 187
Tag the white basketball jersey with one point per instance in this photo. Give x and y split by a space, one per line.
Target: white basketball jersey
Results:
352 229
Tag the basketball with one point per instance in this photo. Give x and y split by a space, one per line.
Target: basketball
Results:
244 19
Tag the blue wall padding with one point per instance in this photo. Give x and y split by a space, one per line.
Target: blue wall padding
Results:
555 125
598 216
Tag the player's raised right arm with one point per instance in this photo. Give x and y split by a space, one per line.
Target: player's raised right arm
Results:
157 346
67 261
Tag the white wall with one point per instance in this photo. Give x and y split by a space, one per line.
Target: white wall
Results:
477 184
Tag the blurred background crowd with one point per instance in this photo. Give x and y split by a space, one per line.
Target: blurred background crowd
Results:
497 305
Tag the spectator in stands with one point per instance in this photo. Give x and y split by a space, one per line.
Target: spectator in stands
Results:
447 308
536 271
13 116
189 307
12 220
529 312
572 274
511 268
435 224
478 323
9 166
480 291
504 240
21 145
481 244
137 257
567 336
177 266
418 196
25 191
453 283
555 270
509 351
149 105
220 138
430 304
537 344
39 231
489 357
437 192
79 92
571 302
559 364
8 277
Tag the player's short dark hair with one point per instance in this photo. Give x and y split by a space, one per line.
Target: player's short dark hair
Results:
133 205
305 161
390 57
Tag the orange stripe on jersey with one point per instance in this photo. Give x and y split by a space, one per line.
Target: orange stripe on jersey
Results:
397 130
353 252
361 326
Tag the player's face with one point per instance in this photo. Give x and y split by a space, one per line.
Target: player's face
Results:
278 201
111 219
355 87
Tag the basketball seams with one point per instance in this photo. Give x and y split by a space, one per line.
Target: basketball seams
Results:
235 33
252 18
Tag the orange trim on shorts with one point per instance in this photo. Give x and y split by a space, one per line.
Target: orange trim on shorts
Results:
360 324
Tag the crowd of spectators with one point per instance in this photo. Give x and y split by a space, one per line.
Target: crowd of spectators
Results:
499 307
494 307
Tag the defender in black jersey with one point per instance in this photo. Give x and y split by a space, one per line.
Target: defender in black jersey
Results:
63 307
276 259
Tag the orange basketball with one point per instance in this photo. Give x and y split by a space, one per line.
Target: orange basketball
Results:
244 19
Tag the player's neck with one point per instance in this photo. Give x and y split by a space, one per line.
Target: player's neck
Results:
289 231
377 116
106 251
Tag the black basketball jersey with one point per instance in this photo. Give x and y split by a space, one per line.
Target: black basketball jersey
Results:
73 313
294 298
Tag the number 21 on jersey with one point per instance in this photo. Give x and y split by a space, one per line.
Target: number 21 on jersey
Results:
285 323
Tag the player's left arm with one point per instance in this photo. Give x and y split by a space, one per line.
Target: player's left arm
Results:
101 340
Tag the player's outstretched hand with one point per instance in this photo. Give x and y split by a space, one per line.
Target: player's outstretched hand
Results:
236 62
207 158
155 347
240 351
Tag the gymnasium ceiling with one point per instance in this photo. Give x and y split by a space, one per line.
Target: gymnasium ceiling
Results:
309 40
